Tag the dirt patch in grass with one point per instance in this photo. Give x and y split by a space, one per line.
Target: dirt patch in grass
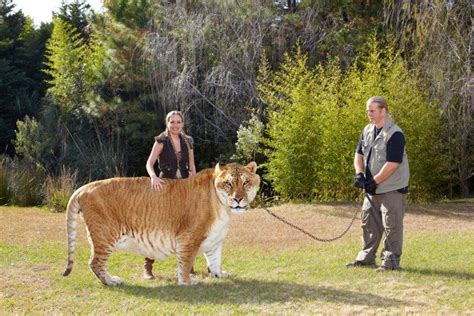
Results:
256 228
28 225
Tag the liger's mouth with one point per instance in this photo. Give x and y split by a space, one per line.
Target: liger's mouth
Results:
238 208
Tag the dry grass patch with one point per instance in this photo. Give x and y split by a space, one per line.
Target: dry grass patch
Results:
31 225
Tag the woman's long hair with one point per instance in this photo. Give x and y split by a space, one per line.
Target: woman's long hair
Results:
183 134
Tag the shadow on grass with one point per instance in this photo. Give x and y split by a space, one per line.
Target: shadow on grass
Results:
443 273
249 291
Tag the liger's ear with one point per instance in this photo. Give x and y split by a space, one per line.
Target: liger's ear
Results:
252 167
217 169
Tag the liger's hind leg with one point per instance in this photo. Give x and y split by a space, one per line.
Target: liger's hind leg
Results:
100 253
97 265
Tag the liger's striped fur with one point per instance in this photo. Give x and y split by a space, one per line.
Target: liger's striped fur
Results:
186 217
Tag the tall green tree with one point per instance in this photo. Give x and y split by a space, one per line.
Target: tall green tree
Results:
65 57
21 87
77 105
437 37
136 117
76 13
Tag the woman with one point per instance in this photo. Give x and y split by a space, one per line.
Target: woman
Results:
174 151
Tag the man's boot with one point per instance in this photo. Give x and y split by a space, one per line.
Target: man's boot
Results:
147 274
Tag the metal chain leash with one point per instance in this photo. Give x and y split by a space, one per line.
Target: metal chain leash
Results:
309 234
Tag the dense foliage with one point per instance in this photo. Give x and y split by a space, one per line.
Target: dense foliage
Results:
22 84
437 38
282 82
317 114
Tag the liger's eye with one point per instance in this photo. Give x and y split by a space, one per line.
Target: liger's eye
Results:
227 184
246 182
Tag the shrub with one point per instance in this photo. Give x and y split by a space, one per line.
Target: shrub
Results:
248 139
315 117
59 189
29 141
292 136
25 183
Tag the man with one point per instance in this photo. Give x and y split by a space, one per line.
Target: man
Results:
381 167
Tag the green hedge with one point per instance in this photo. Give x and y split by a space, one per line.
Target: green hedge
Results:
315 116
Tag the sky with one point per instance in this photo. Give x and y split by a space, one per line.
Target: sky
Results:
41 10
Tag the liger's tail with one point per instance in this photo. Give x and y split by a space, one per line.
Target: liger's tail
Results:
72 211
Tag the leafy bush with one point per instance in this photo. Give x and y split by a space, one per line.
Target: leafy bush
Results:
25 183
30 142
59 189
315 117
248 139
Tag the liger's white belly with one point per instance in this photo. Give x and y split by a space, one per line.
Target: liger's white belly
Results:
155 245
159 245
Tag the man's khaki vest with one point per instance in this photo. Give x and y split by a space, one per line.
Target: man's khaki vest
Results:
399 179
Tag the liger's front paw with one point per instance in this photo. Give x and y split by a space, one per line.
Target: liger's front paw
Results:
114 281
188 283
221 274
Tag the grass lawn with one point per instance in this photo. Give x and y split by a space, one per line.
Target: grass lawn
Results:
273 268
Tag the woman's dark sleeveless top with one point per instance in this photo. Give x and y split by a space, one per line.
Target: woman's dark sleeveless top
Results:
168 162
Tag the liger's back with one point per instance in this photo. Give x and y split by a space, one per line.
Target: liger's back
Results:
132 202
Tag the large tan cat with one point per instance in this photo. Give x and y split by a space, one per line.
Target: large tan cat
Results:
186 217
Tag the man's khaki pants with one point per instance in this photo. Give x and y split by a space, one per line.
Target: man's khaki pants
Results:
390 209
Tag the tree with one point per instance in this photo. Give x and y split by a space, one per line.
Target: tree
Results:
202 57
21 87
65 56
77 105
437 36
75 13
293 135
